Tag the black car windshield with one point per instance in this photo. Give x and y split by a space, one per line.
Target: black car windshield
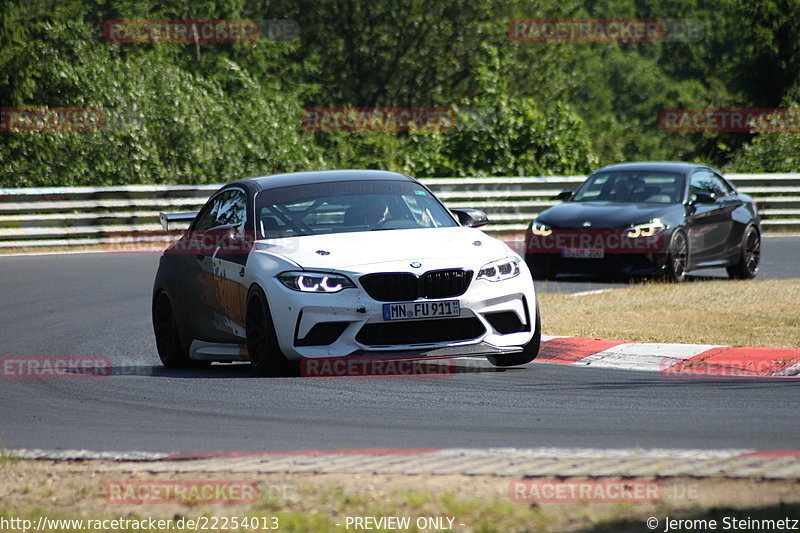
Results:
348 206
631 186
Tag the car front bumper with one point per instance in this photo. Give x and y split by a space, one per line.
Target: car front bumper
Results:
495 318
623 264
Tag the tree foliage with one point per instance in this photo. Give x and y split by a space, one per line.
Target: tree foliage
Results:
211 112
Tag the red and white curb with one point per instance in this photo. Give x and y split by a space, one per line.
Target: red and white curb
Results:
518 462
677 360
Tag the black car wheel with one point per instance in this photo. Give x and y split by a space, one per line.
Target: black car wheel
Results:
747 266
529 351
171 348
677 258
263 350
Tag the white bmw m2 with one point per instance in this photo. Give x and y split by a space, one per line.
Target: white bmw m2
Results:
329 264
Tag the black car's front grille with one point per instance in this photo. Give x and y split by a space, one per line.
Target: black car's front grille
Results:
404 286
420 331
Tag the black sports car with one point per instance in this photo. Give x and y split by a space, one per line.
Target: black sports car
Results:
643 219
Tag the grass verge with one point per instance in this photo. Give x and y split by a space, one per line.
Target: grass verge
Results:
731 313
320 503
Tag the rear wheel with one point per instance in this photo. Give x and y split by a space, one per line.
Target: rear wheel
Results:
529 351
677 258
171 348
265 354
747 266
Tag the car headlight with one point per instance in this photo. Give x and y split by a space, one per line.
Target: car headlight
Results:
316 281
646 230
499 270
543 230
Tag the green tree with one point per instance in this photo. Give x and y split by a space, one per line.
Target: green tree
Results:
163 123
511 136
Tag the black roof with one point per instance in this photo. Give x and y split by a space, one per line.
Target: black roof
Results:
656 166
323 176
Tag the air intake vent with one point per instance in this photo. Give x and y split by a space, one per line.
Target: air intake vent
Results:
420 331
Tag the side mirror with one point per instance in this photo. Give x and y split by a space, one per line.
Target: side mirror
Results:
564 195
704 198
471 218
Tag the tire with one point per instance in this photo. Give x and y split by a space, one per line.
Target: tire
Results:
677 258
529 351
747 265
266 357
171 347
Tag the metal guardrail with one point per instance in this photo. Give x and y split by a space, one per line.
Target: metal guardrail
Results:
65 216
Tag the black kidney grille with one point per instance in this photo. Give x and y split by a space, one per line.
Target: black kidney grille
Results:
391 287
403 286
445 283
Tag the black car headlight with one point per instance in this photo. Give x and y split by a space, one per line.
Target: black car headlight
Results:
499 270
316 281
646 230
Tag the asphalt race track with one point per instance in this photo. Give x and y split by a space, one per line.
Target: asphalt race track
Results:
99 304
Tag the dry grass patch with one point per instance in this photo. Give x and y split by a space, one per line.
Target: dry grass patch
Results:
732 313
316 503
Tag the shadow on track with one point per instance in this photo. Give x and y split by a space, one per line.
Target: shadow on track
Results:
243 370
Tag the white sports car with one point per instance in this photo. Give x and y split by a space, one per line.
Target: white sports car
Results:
338 263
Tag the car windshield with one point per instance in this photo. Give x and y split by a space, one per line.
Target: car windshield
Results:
631 186
350 206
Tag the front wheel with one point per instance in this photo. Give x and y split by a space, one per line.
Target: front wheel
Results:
529 351
677 258
747 266
265 354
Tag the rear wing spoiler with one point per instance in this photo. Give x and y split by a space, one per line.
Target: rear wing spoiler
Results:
172 218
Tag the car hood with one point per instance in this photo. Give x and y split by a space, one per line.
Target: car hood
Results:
605 215
349 251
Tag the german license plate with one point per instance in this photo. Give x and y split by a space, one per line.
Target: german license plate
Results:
583 253
409 310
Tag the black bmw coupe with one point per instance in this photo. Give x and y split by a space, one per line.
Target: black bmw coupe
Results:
647 219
